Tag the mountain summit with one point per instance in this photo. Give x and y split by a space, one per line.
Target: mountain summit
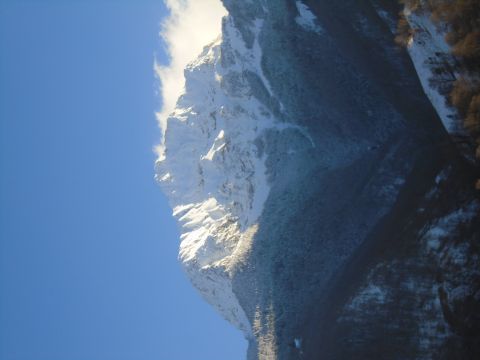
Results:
324 208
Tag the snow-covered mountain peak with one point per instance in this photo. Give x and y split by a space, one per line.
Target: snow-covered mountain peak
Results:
213 169
307 170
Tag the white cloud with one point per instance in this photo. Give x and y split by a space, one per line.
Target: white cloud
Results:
192 24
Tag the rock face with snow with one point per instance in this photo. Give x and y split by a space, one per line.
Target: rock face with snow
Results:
437 70
323 209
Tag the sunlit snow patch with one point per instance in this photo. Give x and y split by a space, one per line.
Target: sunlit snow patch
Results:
213 168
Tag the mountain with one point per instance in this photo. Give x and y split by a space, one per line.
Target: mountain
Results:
325 208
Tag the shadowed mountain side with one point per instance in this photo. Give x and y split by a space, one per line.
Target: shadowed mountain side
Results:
323 208
341 207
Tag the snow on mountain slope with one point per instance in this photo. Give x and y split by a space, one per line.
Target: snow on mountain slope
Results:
191 25
213 169
295 162
434 65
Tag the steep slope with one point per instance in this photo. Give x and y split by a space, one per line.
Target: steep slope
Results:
319 196
438 70
213 169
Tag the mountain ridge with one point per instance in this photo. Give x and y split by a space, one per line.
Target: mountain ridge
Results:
298 165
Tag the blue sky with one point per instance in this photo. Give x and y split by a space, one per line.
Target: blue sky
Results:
88 248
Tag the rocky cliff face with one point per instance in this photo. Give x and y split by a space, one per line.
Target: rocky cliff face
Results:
324 210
